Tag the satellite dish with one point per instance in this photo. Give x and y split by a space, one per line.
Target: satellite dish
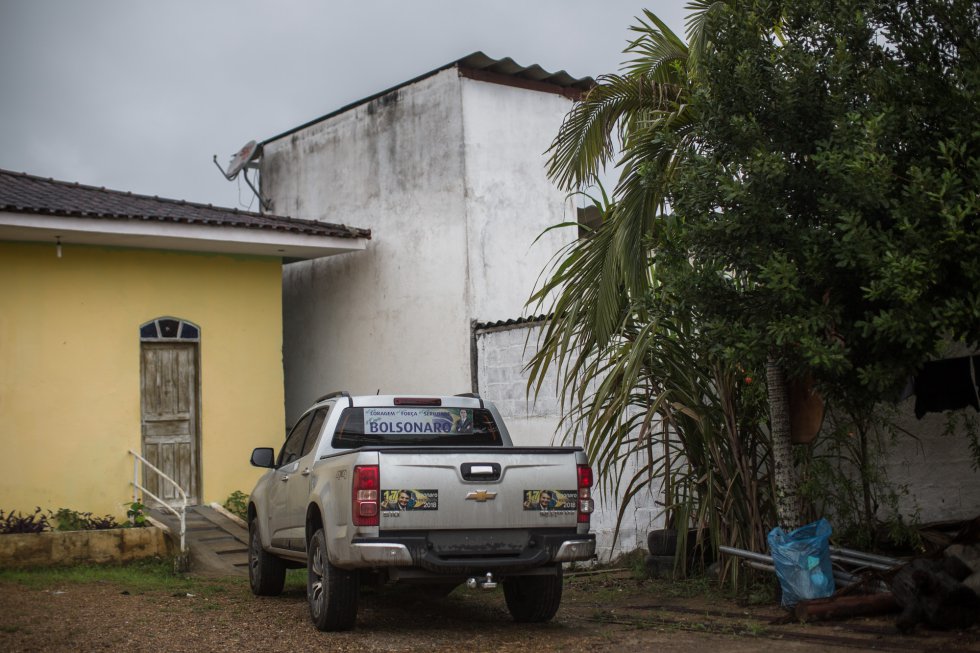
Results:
240 159
239 163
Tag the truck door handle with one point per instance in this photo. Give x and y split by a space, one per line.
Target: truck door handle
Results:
306 472
284 477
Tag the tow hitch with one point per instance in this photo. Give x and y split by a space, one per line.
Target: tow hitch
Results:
485 583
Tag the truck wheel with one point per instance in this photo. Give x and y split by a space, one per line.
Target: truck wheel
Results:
330 591
533 599
266 572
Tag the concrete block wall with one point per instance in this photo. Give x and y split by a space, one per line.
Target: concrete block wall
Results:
502 353
937 468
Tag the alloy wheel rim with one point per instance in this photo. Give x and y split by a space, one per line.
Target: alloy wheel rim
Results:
316 580
253 558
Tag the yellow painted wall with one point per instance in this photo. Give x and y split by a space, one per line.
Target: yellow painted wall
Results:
70 368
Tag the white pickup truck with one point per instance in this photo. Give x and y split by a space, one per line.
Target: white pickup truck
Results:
424 489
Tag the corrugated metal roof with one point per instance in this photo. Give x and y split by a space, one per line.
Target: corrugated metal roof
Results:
534 72
500 324
560 81
24 193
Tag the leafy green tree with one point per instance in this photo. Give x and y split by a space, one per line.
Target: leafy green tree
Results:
831 209
798 193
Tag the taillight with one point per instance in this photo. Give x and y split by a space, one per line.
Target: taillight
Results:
585 503
364 507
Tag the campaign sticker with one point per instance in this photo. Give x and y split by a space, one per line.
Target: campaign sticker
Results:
401 500
418 421
550 500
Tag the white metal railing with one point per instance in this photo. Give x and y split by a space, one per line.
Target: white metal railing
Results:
179 511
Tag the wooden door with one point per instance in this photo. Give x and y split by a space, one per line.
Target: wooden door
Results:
169 398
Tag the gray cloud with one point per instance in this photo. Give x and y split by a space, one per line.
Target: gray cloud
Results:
138 95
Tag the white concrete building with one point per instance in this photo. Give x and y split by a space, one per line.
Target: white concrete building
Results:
448 172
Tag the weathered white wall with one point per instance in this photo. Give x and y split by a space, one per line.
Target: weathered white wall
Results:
501 356
510 202
393 317
449 175
935 468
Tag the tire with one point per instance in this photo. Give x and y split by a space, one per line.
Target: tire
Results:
330 592
266 572
662 542
533 599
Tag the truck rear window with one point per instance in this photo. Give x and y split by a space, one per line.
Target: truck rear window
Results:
416 426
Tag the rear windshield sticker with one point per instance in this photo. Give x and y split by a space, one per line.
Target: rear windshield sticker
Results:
550 500
409 499
418 420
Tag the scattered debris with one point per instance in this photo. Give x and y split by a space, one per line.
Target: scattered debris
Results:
940 590
930 592
842 607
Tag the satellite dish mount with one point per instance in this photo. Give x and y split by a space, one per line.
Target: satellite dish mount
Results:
243 160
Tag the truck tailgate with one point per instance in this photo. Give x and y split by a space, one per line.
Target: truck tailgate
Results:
485 488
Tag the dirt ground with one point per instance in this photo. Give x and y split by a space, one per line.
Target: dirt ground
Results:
600 612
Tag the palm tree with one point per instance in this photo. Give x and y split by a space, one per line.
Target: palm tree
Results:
633 374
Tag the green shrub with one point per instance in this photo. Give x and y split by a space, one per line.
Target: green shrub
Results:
12 523
237 504
136 513
66 519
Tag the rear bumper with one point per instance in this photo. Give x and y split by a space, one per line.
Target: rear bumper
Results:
470 552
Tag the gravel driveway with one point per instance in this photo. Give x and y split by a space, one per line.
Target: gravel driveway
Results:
600 612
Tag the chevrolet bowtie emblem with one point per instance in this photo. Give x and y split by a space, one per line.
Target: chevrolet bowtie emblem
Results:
482 496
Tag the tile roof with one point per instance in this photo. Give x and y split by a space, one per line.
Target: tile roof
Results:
23 193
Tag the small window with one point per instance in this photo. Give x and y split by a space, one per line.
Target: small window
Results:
169 328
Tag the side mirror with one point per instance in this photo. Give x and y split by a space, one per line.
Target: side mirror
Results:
263 457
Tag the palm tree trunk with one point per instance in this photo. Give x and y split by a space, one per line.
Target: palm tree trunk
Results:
787 483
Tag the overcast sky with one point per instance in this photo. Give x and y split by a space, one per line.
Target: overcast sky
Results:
138 96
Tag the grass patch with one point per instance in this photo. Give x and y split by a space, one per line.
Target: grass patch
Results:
697 586
138 576
295 580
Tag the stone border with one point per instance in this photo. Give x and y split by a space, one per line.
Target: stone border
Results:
60 548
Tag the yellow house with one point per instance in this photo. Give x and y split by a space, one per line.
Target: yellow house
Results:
134 323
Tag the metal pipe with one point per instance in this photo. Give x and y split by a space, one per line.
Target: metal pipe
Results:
837 554
857 562
881 560
839 575
748 555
